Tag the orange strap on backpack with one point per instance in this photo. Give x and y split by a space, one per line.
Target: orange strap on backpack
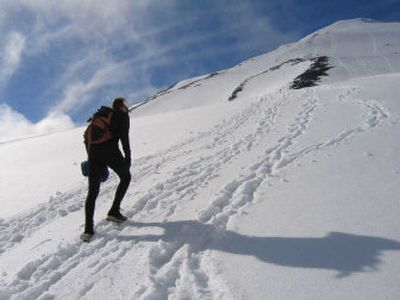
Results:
102 123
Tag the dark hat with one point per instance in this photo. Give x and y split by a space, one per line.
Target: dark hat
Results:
118 103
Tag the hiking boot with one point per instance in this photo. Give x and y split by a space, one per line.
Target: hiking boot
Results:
86 237
116 217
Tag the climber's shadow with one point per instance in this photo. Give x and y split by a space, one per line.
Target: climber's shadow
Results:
343 252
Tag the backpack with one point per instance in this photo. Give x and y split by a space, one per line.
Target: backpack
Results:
98 131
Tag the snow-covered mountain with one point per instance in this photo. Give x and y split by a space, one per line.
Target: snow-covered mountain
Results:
275 179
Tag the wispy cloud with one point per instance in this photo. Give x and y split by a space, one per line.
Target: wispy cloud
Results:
244 22
90 32
127 47
11 55
78 94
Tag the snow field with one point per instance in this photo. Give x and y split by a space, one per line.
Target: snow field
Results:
351 208
174 266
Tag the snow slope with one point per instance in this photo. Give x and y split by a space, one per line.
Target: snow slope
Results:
277 194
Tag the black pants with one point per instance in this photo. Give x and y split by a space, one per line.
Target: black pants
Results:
98 159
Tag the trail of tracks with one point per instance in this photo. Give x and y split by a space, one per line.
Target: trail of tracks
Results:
176 263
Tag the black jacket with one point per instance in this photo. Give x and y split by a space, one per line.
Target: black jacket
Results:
119 127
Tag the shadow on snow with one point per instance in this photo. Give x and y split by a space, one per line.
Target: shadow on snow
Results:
341 252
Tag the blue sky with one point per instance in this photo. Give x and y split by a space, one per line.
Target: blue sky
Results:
61 59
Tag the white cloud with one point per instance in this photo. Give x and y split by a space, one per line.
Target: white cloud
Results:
78 94
83 43
53 122
252 30
14 125
11 55
97 29
96 22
